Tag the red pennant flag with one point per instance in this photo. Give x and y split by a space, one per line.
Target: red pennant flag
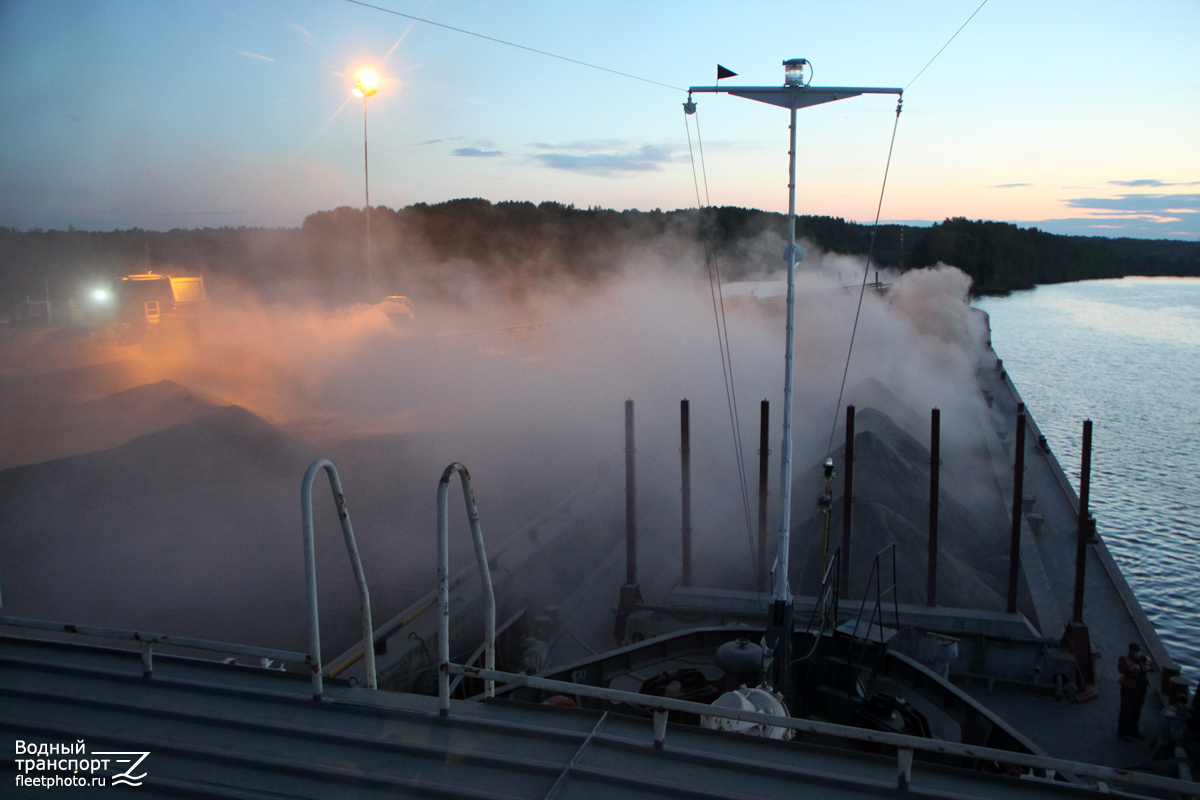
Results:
724 73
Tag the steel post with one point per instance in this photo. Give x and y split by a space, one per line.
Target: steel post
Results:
764 452
1084 531
630 499
848 499
935 462
685 467
630 592
1014 547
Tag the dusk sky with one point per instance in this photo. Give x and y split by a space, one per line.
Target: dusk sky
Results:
1076 117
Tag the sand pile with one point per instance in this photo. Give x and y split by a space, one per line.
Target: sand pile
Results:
891 506
195 529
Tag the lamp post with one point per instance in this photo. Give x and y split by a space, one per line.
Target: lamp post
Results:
794 94
366 84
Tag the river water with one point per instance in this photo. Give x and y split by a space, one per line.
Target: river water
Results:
1126 354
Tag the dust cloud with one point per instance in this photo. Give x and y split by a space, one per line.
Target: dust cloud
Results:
153 484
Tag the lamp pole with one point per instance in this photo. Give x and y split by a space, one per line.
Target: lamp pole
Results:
796 93
365 85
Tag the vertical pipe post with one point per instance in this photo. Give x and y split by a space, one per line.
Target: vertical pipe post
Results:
848 499
630 500
685 466
935 462
764 452
1014 547
485 577
1084 532
777 638
781 591
310 573
630 593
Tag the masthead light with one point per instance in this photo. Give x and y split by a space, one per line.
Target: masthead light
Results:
797 72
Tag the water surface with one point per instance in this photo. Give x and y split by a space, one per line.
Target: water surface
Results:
1126 354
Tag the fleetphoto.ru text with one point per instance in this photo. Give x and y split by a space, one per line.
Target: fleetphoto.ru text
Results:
47 765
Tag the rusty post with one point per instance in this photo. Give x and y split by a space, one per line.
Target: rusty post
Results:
1084 532
848 499
685 459
630 499
764 451
630 592
1014 547
935 463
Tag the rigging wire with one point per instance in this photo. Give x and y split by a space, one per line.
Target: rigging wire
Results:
512 44
947 44
866 271
735 418
713 266
874 228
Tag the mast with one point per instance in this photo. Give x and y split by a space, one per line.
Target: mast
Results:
796 93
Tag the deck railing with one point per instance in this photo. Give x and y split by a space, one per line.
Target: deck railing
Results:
905 745
311 659
310 572
148 640
485 575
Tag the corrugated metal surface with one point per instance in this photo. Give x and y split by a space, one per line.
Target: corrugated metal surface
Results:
214 730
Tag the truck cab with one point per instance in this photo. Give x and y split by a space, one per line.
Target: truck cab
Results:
149 297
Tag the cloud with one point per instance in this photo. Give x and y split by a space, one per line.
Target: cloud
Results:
1143 205
1157 216
587 145
604 158
438 141
308 37
1133 227
1155 182
475 152
1009 185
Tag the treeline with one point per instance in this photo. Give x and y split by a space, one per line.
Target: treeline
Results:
1001 257
518 246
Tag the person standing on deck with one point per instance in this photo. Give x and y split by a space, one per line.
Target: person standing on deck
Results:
1134 667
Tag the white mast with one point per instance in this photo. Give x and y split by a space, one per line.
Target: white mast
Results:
793 95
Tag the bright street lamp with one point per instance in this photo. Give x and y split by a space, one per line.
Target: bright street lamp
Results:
366 83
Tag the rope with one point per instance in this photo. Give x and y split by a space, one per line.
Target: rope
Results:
863 288
513 44
718 300
947 44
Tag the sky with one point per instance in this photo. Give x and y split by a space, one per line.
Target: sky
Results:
1075 117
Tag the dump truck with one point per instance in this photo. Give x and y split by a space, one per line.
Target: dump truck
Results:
149 297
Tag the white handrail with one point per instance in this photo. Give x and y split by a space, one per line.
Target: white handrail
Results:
310 572
901 741
443 555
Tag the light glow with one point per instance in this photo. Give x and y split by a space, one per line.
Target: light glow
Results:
100 295
366 83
